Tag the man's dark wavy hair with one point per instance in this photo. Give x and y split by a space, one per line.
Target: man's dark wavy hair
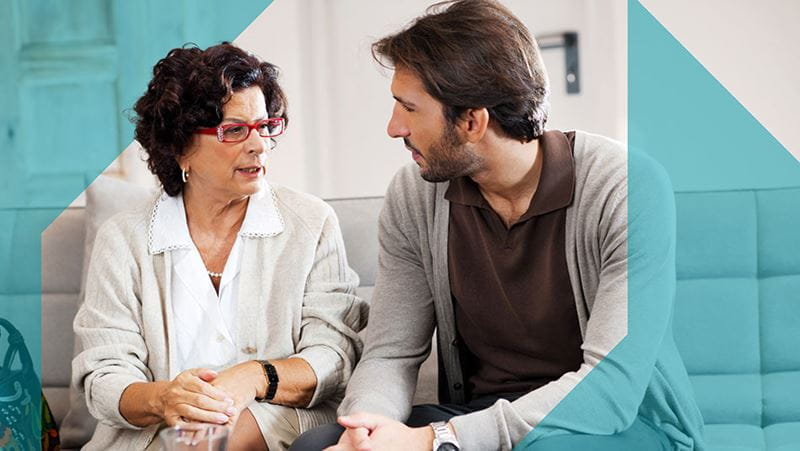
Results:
187 92
475 54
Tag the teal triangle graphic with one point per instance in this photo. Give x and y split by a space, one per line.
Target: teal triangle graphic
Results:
683 117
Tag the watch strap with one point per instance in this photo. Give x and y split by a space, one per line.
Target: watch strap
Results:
443 435
271 375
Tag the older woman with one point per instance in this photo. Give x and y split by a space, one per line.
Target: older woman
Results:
227 301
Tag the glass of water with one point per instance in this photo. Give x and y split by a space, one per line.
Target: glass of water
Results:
206 437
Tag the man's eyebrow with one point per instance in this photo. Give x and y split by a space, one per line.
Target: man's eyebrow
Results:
404 102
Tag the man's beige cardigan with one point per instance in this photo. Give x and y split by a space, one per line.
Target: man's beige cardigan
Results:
296 298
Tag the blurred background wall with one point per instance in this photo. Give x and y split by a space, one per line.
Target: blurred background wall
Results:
340 103
336 144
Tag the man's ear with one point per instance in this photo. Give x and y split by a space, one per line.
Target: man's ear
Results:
473 124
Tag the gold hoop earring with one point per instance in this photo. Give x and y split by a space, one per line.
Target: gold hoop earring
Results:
184 175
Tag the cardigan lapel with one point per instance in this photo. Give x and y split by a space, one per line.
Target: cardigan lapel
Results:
162 263
250 308
442 300
262 223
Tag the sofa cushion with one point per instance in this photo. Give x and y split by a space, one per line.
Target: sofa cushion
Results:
778 238
729 398
62 243
780 315
358 220
58 310
734 437
781 398
716 235
783 437
730 335
736 314
104 198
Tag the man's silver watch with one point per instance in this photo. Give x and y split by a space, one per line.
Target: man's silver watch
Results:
443 438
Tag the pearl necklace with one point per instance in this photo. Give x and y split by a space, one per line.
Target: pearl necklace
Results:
214 275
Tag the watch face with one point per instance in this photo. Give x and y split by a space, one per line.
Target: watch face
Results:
447 447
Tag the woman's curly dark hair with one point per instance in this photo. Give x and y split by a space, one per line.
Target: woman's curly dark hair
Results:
187 92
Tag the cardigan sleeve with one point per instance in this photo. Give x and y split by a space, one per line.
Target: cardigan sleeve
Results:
332 315
108 326
628 321
402 314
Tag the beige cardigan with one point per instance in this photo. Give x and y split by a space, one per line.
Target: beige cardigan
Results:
644 377
296 298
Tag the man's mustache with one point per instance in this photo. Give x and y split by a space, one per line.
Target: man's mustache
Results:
409 146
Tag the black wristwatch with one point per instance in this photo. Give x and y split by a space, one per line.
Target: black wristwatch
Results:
272 381
443 438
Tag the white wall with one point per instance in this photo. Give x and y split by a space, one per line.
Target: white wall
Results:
339 99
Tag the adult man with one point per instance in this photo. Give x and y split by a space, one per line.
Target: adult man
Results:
512 242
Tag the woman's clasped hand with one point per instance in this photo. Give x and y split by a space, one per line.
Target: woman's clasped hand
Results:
192 398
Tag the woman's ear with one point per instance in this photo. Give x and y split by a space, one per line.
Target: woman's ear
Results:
184 160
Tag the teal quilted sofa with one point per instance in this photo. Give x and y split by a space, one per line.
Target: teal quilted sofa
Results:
737 314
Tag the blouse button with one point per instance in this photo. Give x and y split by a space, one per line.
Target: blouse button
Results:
248 350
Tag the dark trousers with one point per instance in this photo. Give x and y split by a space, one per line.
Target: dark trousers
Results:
639 437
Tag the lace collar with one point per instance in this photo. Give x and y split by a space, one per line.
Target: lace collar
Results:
169 230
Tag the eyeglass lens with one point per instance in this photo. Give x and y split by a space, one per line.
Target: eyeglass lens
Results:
265 129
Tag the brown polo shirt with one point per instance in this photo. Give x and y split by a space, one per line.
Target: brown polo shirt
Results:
514 307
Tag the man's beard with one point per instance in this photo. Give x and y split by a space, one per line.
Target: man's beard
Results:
448 158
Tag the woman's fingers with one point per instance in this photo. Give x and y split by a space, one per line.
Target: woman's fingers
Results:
197 385
188 425
207 403
192 413
206 375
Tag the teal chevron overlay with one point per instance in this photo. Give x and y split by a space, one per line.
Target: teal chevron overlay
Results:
687 133
738 235
71 71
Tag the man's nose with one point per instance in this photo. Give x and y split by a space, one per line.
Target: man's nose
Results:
396 127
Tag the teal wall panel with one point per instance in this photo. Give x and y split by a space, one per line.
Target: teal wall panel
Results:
62 22
69 141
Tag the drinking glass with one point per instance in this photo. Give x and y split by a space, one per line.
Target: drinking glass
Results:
206 437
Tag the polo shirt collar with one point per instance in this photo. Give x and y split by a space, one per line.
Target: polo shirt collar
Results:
556 184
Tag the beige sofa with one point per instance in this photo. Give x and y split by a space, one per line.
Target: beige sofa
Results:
66 245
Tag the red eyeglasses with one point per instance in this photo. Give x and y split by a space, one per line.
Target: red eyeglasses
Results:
238 132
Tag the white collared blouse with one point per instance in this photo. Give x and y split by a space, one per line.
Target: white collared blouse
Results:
204 320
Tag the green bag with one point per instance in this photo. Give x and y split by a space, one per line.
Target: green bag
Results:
20 394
